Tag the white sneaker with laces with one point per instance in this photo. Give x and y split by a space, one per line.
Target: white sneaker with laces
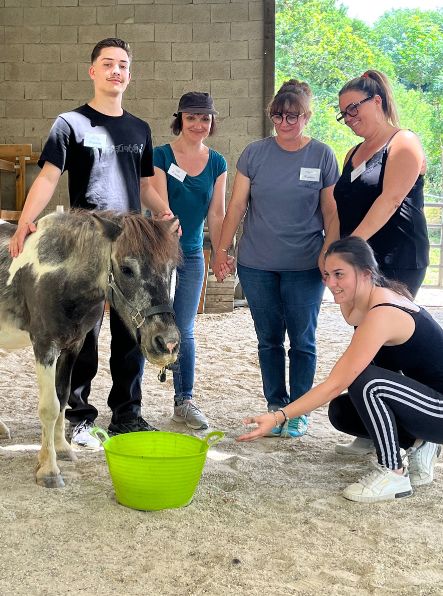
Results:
359 446
188 413
421 463
82 438
381 484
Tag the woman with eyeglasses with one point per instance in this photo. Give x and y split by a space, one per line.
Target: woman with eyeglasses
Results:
284 184
379 195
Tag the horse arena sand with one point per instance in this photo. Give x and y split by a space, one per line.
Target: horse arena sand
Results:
267 517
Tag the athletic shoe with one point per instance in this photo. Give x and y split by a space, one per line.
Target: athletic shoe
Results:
82 438
359 446
188 413
295 427
381 484
421 462
130 425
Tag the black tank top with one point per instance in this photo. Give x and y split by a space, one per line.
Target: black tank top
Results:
403 241
421 356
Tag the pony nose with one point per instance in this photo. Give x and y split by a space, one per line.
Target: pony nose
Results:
162 346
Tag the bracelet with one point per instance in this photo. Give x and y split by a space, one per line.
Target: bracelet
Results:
224 249
284 414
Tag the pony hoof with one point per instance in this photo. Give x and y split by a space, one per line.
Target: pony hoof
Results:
4 431
51 481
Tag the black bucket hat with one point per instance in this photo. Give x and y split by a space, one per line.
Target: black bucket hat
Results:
195 102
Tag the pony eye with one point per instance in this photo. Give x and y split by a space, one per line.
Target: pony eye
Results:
126 271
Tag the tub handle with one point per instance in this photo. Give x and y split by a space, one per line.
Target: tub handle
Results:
99 433
213 437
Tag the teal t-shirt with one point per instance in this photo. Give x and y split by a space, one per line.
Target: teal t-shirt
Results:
189 200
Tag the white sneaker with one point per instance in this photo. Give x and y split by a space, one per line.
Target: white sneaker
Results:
380 485
421 462
358 446
188 413
82 438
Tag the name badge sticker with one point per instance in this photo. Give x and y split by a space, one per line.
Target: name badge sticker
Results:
357 171
95 139
310 174
176 172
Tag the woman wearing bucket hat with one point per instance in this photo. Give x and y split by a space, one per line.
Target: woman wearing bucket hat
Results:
191 177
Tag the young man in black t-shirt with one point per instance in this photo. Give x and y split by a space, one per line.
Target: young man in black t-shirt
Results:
107 153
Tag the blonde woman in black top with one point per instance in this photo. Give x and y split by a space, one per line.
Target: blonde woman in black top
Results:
380 192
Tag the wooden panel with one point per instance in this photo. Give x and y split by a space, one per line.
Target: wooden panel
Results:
10 215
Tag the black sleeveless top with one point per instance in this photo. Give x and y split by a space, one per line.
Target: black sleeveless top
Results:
403 241
421 356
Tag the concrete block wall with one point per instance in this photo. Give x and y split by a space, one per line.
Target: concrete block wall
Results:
178 45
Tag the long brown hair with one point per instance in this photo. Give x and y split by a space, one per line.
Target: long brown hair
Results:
357 253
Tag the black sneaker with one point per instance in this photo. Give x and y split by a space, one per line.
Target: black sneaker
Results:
133 425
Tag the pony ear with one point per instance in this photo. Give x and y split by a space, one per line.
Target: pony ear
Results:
111 229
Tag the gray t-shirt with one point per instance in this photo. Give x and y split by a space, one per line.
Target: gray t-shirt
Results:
283 229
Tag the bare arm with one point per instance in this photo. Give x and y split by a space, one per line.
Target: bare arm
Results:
216 211
330 221
377 329
38 197
404 163
154 194
236 209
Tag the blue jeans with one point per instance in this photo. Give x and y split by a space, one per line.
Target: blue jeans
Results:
280 302
187 295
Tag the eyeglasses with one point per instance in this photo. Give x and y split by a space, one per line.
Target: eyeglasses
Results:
351 110
291 118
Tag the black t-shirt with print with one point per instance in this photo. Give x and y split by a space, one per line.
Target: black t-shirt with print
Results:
105 156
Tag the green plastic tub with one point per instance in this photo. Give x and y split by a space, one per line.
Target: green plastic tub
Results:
155 470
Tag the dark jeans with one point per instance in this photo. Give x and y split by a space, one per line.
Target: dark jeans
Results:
412 278
391 409
280 302
126 364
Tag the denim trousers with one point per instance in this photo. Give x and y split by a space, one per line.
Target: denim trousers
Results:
280 302
187 296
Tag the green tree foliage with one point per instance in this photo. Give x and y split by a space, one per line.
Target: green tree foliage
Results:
317 42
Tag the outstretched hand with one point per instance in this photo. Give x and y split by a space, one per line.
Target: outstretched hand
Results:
264 423
18 239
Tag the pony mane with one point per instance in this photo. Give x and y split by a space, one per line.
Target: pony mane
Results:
144 236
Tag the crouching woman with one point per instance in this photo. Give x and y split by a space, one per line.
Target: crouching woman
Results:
394 379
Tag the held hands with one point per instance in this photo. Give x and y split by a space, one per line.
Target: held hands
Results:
18 239
265 423
222 265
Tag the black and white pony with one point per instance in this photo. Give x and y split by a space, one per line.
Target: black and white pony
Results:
53 293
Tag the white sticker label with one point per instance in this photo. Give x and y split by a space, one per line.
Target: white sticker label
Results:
95 139
310 174
176 172
357 171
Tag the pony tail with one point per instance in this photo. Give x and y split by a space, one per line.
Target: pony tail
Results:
384 89
374 82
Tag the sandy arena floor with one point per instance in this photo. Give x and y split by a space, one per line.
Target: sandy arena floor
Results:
267 517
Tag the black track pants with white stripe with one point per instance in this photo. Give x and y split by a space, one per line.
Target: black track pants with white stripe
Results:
391 409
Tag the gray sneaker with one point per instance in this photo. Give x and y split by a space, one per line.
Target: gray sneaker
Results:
188 413
421 463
